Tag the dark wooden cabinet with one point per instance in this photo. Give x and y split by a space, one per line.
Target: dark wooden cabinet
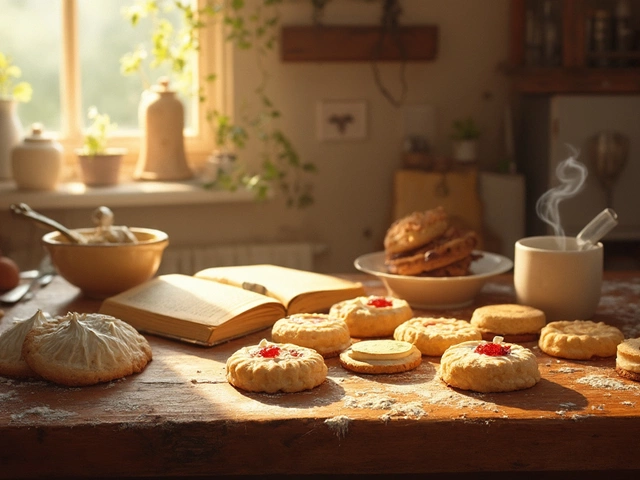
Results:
574 46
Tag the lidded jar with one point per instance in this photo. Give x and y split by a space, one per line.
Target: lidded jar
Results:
161 117
37 161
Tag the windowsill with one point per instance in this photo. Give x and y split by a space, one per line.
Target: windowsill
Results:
128 194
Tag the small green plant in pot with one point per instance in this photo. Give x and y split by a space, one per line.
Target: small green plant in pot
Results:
465 140
99 164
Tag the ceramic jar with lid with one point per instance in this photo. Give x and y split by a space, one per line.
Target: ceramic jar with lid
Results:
37 161
161 117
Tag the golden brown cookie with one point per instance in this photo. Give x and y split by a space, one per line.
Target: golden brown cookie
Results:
579 339
487 367
85 349
372 316
628 359
12 363
381 356
325 334
432 336
451 247
415 230
515 323
276 367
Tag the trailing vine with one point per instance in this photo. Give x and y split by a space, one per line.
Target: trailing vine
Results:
257 30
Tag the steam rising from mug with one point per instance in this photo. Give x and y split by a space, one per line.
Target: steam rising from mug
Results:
572 175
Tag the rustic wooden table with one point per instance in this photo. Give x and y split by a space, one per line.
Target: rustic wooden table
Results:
180 417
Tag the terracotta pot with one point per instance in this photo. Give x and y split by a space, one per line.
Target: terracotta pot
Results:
101 170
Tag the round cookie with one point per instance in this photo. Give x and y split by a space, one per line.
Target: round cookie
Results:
415 230
372 316
325 334
515 323
12 363
579 339
488 367
380 357
85 349
275 367
432 336
628 359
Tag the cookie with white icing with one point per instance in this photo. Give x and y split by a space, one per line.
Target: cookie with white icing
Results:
325 334
381 356
628 359
372 316
12 363
85 349
432 336
579 339
275 367
487 367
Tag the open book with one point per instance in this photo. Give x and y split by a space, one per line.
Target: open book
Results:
221 303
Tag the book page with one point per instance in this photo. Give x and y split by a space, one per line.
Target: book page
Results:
281 283
191 299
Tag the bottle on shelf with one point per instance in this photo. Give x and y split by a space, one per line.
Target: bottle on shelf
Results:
623 31
550 37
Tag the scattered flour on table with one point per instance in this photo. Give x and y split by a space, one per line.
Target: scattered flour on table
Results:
600 381
339 425
627 313
405 410
569 370
496 288
41 413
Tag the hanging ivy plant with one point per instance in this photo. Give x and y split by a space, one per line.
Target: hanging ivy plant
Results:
248 29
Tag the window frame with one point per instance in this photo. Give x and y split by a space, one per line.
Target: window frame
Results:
215 55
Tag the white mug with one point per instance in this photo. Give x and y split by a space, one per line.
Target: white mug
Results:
552 274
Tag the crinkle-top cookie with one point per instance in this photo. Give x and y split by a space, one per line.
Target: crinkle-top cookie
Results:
325 334
486 367
372 316
276 367
12 363
432 336
511 321
85 349
579 339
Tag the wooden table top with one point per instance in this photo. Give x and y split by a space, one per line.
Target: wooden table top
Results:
180 417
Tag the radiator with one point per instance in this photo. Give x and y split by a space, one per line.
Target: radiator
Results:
190 259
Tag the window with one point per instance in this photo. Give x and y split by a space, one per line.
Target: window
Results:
70 51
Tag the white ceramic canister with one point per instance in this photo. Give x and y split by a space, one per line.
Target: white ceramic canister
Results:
37 161
161 117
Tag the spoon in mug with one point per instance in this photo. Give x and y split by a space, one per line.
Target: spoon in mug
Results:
597 228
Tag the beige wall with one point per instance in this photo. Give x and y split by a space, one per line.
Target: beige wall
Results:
353 191
353 186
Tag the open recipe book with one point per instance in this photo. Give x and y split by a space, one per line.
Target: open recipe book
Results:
221 303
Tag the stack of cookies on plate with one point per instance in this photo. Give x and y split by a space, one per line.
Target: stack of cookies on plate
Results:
427 244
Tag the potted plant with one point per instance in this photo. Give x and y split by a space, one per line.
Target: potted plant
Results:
12 91
99 164
465 140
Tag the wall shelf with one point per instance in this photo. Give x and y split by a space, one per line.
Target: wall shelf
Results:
575 71
358 44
